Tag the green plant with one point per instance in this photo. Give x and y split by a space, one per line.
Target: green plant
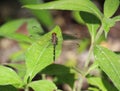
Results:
94 20
39 59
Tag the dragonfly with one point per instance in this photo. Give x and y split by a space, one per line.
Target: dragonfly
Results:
43 52
50 39
54 42
50 44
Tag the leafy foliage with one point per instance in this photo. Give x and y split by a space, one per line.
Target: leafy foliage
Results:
44 16
101 84
85 5
42 85
109 63
110 7
9 77
39 56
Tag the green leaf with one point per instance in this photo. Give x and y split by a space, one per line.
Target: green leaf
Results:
40 54
10 28
91 21
66 78
76 15
56 69
17 56
44 16
34 28
92 30
8 88
92 67
109 62
43 85
116 18
101 83
97 81
88 19
18 37
93 89
110 7
20 68
76 5
61 72
107 24
9 77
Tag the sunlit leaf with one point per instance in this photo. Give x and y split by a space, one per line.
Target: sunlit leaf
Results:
11 26
9 77
76 15
10 29
101 83
109 62
107 24
20 68
34 28
110 7
43 15
116 18
43 85
91 21
61 72
76 5
40 54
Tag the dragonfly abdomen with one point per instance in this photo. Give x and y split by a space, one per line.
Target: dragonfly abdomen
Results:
54 42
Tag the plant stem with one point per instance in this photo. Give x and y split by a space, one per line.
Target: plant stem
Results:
26 89
93 43
43 76
78 87
89 55
99 33
80 84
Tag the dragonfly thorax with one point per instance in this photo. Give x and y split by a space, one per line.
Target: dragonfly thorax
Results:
54 38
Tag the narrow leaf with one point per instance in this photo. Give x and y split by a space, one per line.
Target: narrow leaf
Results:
43 85
40 54
34 27
110 7
97 81
107 24
91 21
101 83
116 18
76 5
18 37
9 77
76 15
20 68
10 28
43 16
109 63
